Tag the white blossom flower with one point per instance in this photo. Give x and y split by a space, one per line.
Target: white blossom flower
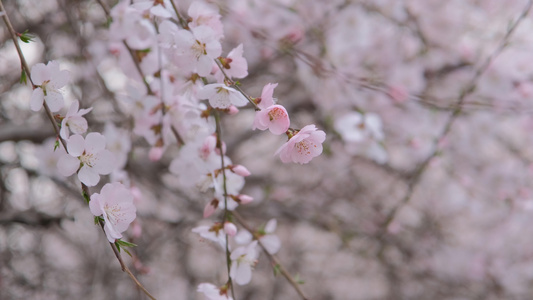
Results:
211 292
48 79
89 156
115 204
74 120
222 96
242 261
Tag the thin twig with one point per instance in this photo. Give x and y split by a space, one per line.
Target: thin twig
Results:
467 90
225 188
85 189
272 258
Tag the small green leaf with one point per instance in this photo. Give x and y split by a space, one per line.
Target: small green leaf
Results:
86 197
298 279
97 220
26 37
126 250
56 145
125 244
23 77
277 270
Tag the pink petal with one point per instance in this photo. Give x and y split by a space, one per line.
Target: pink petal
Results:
88 176
104 162
95 205
76 145
54 100
67 165
37 99
94 142
39 74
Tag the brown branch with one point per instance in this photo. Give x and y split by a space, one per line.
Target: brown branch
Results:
467 90
272 258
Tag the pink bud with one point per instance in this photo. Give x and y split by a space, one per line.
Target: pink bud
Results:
245 199
230 229
210 208
232 110
241 170
155 153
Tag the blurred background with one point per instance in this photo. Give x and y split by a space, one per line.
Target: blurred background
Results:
423 191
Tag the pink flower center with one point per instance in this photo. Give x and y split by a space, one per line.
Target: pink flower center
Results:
276 113
304 147
198 49
113 213
88 159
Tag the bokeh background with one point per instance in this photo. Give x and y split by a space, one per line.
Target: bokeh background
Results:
429 198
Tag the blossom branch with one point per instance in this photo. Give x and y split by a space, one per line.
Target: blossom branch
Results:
26 69
235 86
224 186
272 258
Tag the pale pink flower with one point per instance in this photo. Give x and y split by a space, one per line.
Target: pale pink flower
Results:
74 120
210 208
271 116
48 79
211 292
230 229
202 13
222 96
235 65
115 204
240 170
242 261
213 233
90 154
267 238
199 46
303 146
357 127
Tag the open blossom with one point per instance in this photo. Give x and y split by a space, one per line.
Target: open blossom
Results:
221 96
303 146
74 120
213 233
199 46
356 127
242 261
48 79
202 13
115 204
90 154
267 238
235 65
271 116
211 292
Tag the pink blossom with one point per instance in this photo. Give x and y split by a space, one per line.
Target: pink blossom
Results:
90 154
222 96
199 46
74 120
230 229
211 292
48 79
210 208
205 14
303 146
240 170
235 65
213 233
115 204
271 116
